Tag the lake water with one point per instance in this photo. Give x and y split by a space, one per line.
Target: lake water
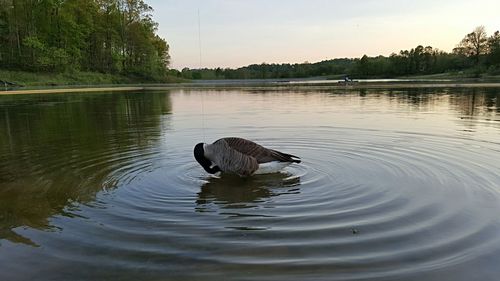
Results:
394 185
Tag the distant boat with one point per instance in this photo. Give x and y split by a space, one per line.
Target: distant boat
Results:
348 82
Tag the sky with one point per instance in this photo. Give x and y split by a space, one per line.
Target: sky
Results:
236 33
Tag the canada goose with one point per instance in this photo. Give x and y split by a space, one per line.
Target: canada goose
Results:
242 157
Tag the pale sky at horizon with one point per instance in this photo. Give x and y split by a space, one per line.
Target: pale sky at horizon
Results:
236 33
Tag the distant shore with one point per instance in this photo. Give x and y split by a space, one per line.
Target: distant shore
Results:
74 78
258 85
70 90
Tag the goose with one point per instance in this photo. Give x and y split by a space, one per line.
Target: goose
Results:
241 157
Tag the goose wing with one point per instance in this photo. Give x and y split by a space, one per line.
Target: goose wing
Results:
231 160
260 153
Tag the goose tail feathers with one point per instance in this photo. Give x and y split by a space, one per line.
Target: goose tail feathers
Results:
284 157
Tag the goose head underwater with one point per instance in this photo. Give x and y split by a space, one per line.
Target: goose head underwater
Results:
241 157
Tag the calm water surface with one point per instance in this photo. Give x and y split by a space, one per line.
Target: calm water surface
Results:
394 185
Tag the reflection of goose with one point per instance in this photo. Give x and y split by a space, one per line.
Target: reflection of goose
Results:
241 157
236 192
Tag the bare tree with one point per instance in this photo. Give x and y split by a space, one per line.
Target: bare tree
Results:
474 44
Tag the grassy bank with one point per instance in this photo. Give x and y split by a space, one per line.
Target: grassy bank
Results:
32 79
464 76
455 76
74 78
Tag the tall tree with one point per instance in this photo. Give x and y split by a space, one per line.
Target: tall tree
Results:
474 44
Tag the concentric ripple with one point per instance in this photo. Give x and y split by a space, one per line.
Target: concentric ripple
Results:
365 204
383 208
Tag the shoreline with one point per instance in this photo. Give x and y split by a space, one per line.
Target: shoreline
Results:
70 90
257 86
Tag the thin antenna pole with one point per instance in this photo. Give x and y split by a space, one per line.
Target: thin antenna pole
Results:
199 36
202 94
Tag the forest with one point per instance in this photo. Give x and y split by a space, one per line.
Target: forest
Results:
119 37
104 36
476 54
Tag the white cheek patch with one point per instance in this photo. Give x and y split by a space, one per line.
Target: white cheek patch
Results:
205 149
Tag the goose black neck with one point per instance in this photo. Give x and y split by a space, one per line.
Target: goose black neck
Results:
199 155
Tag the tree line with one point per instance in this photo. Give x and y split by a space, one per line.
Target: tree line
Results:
107 36
475 54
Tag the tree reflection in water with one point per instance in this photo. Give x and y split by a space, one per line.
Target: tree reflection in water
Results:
59 149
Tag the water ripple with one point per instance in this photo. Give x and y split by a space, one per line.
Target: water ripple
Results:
364 204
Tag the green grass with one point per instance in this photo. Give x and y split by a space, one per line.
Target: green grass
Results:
469 74
34 79
25 78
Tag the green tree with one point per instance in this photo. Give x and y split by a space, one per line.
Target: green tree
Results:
109 36
494 47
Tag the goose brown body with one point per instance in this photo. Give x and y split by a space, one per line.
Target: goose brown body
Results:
240 156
